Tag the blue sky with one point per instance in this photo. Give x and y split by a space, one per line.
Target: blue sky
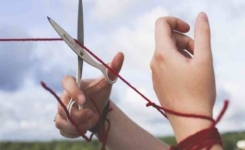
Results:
27 110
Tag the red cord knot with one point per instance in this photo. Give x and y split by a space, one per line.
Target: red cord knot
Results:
158 108
151 104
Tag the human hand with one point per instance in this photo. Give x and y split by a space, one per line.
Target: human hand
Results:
181 83
97 89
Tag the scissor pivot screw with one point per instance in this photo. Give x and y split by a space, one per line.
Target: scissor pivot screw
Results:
81 53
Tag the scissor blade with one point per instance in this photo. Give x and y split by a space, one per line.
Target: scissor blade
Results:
80 38
80 26
66 37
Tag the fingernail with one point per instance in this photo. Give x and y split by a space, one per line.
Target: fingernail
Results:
202 17
80 99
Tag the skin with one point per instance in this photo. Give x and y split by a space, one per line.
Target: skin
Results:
122 127
181 83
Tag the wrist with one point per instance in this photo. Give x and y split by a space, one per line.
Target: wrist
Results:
185 126
102 119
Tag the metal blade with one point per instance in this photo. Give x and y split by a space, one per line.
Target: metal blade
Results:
80 26
67 38
80 38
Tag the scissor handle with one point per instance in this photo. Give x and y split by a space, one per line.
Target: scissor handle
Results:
105 72
85 56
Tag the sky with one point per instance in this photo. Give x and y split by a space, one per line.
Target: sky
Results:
111 26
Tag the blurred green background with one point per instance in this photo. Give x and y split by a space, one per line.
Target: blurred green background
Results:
230 139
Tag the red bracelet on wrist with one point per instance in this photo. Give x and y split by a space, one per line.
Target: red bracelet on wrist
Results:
203 139
206 138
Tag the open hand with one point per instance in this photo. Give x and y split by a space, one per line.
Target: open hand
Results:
184 84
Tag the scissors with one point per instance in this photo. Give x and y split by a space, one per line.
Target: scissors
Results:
81 53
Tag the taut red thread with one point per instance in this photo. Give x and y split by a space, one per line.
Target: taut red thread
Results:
206 136
159 108
30 39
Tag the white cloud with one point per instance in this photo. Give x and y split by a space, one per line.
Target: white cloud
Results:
135 38
135 41
110 9
29 113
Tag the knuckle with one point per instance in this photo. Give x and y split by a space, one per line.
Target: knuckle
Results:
159 56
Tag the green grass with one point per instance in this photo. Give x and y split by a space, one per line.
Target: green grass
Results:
230 139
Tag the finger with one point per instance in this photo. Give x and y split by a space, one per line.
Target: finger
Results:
116 65
202 37
81 116
70 85
184 42
69 135
164 28
67 127
65 99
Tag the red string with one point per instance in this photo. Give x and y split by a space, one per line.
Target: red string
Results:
159 108
212 138
30 39
207 138
66 111
102 133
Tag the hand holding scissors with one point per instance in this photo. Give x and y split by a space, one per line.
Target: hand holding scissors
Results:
82 54
99 89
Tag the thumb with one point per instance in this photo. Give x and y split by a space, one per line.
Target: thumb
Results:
116 65
202 37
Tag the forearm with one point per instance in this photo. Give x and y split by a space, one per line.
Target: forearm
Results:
124 134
